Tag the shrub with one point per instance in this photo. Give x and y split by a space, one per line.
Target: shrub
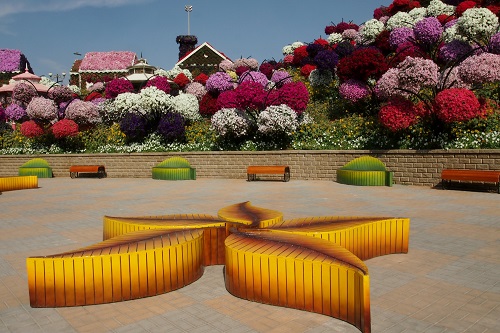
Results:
61 94
159 82
134 126
172 127
15 112
456 104
362 64
83 113
118 86
42 109
23 93
31 129
64 128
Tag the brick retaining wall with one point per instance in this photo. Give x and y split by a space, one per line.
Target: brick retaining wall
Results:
410 167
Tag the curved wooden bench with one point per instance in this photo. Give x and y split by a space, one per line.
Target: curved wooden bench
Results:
488 176
174 168
36 167
18 183
76 170
254 170
365 171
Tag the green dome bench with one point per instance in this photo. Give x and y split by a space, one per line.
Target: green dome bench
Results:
174 168
36 167
365 171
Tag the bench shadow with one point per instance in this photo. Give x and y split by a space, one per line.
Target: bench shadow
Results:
92 175
467 187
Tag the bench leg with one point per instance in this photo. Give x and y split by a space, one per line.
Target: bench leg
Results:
286 176
73 174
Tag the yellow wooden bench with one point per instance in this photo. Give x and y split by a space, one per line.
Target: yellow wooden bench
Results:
18 183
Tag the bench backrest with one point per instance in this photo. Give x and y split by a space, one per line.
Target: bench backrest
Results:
174 162
365 163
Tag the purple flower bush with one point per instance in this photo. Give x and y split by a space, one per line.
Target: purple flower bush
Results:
3 116
10 60
61 94
428 31
15 112
494 46
253 76
133 126
454 50
219 82
42 109
401 35
172 127
281 77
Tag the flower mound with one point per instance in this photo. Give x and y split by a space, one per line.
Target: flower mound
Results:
23 93
428 31
118 86
354 90
294 94
41 108
31 129
362 64
277 119
398 114
64 128
480 68
253 76
456 104
83 113
230 122
15 112
61 94
134 126
159 82
219 82
171 127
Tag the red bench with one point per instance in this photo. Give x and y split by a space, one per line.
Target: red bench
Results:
254 170
488 176
76 170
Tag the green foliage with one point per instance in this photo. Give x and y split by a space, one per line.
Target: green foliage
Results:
102 135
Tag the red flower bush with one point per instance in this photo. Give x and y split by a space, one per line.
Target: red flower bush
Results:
181 80
267 69
31 129
201 78
463 6
307 69
399 114
362 64
208 105
456 104
64 128
299 54
93 95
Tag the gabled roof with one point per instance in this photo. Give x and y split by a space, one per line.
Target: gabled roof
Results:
202 55
114 61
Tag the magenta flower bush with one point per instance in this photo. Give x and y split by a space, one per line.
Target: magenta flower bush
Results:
3 116
294 94
118 86
15 112
159 82
42 109
354 90
83 113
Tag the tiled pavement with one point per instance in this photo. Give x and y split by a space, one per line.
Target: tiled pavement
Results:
448 282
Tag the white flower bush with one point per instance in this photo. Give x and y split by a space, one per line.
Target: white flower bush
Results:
478 24
154 101
75 89
176 70
230 122
400 20
335 38
437 7
320 77
287 49
277 119
369 31
187 105
123 104
418 13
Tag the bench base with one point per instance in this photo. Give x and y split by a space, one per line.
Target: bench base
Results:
76 170
254 170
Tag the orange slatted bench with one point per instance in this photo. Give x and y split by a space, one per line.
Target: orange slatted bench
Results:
254 170
75 170
489 176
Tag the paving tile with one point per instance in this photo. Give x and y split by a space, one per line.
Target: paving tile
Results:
448 282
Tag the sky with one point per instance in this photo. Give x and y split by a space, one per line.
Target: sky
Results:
49 32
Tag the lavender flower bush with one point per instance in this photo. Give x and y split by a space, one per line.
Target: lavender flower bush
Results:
43 109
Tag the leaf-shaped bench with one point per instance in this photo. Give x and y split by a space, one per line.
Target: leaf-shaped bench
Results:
36 167
174 168
365 171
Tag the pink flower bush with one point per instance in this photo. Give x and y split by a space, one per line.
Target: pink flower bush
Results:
281 76
197 89
456 104
83 113
398 114
64 128
226 65
252 76
251 63
387 86
118 86
23 93
41 108
10 60
60 94
480 68
354 90
417 73
108 61
15 112
31 129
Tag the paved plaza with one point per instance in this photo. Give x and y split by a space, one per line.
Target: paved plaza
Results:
448 282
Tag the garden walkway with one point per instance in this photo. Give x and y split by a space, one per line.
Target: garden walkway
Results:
448 282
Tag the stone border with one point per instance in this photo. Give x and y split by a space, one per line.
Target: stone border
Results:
410 167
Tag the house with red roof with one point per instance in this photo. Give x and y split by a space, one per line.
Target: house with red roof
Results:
203 59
